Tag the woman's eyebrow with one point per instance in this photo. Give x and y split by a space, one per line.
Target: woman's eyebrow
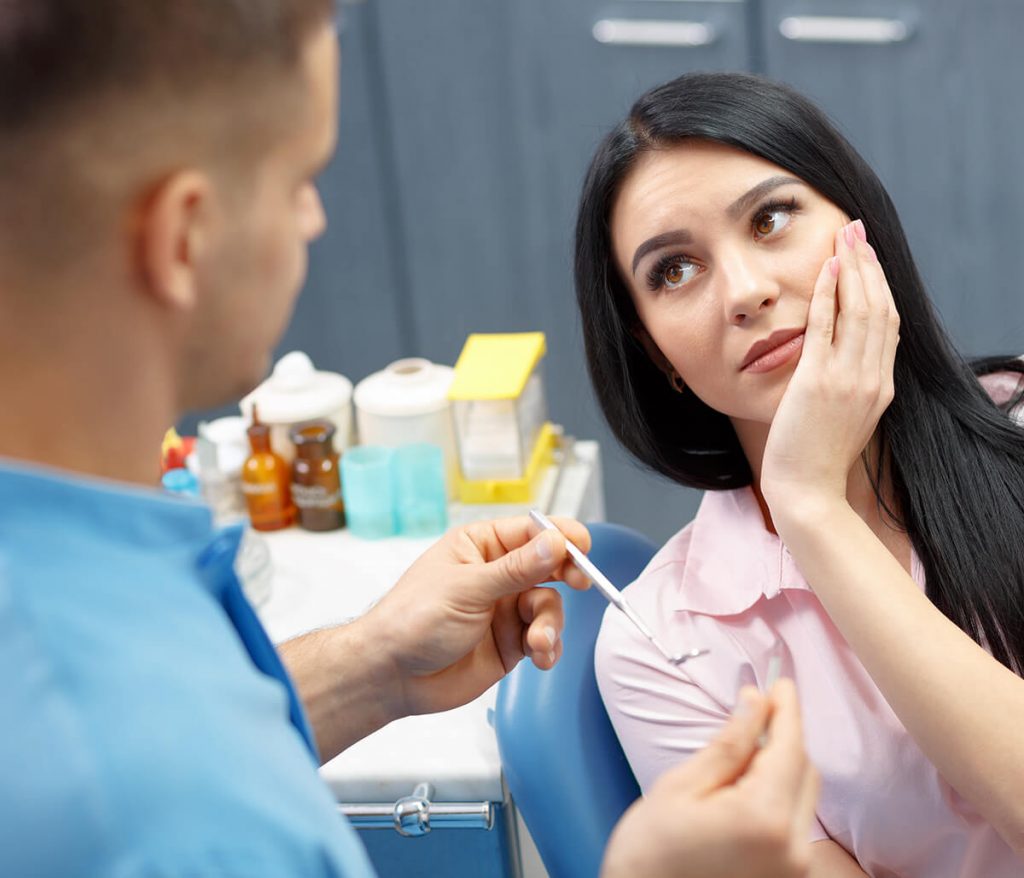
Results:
748 199
677 237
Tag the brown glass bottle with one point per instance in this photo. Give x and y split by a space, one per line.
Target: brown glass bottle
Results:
316 479
265 481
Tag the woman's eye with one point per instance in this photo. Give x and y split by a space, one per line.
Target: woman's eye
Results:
677 272
770 221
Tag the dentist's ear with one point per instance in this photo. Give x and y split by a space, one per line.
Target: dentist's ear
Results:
675 380
172 228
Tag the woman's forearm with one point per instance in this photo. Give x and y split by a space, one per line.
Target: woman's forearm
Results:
962 707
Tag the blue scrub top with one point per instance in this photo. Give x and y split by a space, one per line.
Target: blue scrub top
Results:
147 727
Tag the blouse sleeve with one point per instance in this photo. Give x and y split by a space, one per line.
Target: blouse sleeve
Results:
664 714
660 715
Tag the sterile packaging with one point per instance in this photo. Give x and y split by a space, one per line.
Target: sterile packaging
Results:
503 437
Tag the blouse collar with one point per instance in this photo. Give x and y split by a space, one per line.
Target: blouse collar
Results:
733 560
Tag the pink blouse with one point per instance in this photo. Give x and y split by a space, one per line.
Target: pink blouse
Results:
724 582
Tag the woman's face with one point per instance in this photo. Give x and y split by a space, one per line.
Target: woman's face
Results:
720 251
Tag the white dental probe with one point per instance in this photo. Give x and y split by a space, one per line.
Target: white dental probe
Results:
613 595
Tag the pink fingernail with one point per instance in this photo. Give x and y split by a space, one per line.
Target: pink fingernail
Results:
871 252
860 231
849 235
833 266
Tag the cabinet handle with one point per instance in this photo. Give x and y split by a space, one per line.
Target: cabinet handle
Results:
837 29
416 815
638 32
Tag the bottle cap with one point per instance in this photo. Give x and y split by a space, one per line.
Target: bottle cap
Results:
311 435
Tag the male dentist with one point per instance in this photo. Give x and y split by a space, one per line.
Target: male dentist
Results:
156 203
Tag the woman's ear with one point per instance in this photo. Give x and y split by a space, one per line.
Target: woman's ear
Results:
655 355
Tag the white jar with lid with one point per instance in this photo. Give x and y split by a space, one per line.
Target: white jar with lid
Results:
295 392
407 402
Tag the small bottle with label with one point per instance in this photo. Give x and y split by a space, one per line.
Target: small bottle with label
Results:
316 478
265 481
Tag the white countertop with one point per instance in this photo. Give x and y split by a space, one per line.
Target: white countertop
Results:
323 579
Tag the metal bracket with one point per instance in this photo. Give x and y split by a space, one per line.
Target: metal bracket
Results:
415 815
412 813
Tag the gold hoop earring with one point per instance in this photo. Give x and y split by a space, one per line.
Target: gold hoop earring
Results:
676 380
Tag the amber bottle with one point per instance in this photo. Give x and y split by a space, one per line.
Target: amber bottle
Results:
265 481
316 478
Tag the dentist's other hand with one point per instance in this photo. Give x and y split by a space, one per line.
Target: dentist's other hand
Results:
469 610
733 809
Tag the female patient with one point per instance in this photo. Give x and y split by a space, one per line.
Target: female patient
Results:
755 326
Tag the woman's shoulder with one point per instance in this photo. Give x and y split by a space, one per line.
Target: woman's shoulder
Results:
663 573
696 571
649 594
721 517
672 555
715 564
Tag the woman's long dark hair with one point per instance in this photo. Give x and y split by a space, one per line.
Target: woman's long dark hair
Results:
955 460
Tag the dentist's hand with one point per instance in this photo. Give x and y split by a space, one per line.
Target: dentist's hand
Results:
469 609
733 809
842 384
459 619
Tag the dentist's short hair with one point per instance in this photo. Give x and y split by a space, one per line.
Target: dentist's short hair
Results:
59 55
89 87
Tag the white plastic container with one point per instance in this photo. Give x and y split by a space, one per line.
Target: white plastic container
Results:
229 438
297 392
221 448
408 402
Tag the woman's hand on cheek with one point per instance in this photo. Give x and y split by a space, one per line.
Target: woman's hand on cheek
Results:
841 385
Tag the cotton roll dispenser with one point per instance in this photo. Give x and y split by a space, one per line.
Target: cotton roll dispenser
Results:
407 403
504 438
295 393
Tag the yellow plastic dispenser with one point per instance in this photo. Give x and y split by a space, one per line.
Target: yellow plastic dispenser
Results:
504 438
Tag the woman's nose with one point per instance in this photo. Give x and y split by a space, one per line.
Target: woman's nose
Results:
748 289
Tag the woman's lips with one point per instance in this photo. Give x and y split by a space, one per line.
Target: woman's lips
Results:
777 356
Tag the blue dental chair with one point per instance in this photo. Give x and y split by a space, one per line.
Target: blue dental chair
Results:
561 759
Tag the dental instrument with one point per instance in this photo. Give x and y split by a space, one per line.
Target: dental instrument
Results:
613 595
771 675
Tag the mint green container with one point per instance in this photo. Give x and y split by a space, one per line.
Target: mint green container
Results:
368 489
420 490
